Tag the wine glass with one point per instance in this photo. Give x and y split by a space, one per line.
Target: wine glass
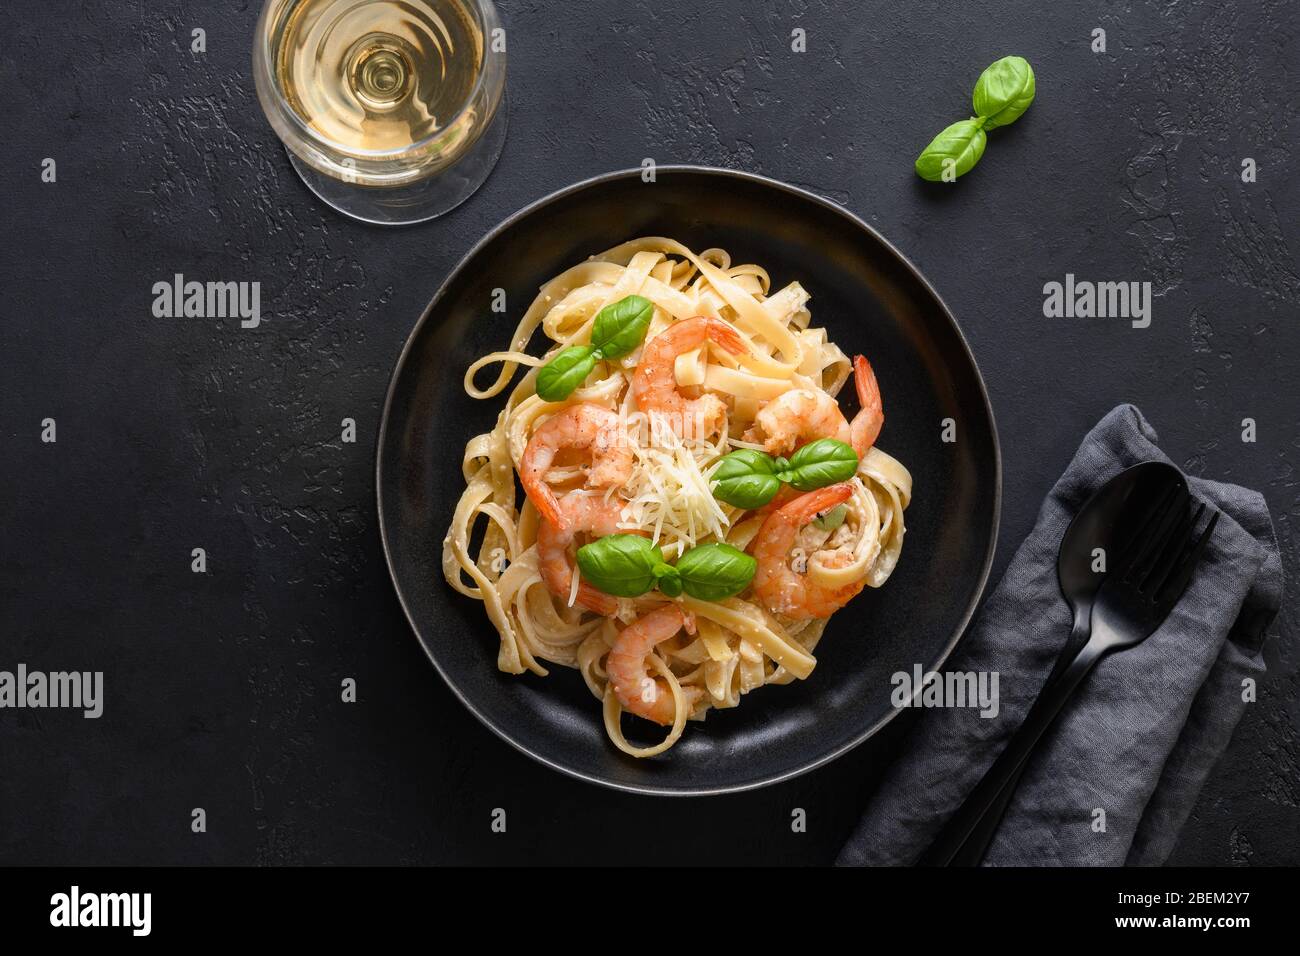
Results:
392 111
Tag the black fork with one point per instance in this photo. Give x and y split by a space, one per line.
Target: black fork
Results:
1138 594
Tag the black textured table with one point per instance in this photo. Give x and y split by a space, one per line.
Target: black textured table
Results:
223 688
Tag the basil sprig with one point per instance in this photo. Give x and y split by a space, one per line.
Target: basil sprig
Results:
619 328
1002 94
747 478
628 565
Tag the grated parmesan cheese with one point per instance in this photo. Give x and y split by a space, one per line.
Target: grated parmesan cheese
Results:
669 495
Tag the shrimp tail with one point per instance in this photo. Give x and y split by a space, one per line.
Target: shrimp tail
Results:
808 506
603 604
867 423
726 337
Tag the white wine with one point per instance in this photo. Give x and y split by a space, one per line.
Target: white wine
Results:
392 110
377 75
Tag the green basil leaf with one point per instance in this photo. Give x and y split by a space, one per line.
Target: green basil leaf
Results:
830 520
621 326
1004 91
620 564
715 571
668 580
557 379
820 463
959 147
746 478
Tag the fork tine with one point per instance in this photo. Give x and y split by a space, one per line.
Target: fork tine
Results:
1181 541
1173 589
1170 514
1165 533
1136 545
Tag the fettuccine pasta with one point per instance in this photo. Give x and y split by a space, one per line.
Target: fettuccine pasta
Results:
721 366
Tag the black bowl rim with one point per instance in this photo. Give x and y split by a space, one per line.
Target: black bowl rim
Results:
599 180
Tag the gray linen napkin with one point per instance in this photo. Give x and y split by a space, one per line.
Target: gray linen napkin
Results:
1143 732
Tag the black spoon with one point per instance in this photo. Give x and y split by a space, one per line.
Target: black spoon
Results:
1107 520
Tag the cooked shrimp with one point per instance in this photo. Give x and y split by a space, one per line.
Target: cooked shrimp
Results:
637 691
805 414
776 584
798 416
582 513
583 427
655 384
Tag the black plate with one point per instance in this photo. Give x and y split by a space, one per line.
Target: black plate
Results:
870 299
